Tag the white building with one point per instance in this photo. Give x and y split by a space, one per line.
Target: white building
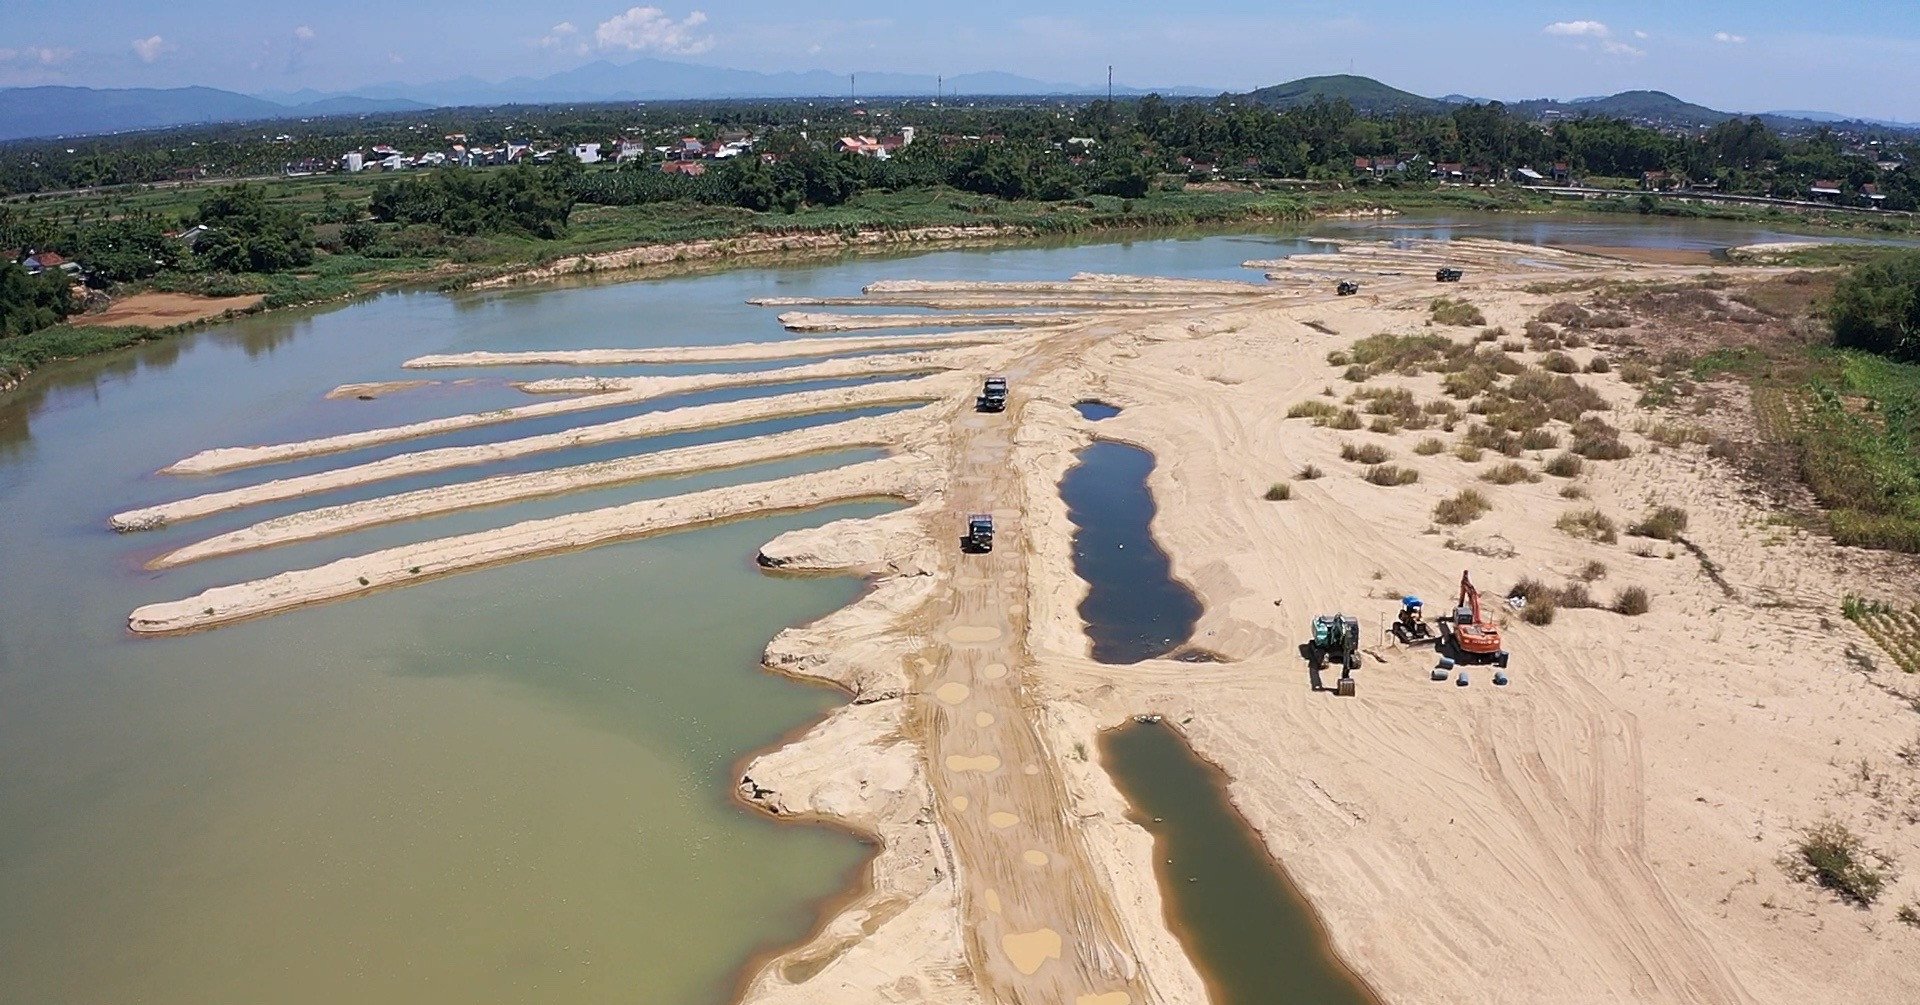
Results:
353 160
587 153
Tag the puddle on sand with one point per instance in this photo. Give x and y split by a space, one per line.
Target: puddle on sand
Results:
1252 936
1135 610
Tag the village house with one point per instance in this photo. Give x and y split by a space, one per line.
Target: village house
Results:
1825 189
1658 181
692 169
586 153
1872 194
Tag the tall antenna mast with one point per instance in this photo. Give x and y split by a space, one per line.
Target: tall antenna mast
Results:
1109 83
939 87
851 99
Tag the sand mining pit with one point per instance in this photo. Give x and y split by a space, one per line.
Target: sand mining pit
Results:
1595 831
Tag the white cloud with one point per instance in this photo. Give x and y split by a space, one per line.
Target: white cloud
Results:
1637 33
151 48
304 33
650 29
1728 38
1592 29
563 36
395 58
41 55
1594 32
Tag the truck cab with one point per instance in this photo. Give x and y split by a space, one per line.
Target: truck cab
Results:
979 533
993 395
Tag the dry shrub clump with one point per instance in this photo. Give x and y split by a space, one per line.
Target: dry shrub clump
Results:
1565 465
1309 473
1596 440
1347 419
1632 601
1318 411
1559 362
1429 446
1590 524
1469 505
1664 523
1390 474
1364 453
1542 601
1279 491
1510 473
1459 313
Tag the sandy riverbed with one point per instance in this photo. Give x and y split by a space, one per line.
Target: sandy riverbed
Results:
1607 828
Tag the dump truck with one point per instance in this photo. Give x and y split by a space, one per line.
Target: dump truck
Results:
979 537
1447 274
993 395
1347 288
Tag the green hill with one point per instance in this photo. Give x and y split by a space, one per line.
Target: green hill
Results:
1639 106
1367 95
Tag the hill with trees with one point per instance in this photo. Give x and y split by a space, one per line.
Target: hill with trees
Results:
1365 94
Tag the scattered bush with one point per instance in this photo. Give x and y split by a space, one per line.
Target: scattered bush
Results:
1383 424
1593 571
1347 419
1572 492
1279 491
1491 335
1599 364
1429 446
1368 453
1467 452
1459 313
1469 505
1595 440
1664 523
1389 474
1512 345
1309 473
1574 595
1834 857
1508 474
1908 915
1564 465
1559 362
1876 307
1590 524
1632 601
1312 410
1338 358
1538 439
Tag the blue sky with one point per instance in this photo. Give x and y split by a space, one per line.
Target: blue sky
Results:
1859 57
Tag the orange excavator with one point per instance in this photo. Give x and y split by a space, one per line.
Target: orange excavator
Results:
1470 635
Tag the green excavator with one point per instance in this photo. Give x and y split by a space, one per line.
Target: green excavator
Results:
1336 638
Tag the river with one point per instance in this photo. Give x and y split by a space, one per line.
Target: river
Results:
510 785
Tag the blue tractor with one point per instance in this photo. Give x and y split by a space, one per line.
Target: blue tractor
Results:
1411 627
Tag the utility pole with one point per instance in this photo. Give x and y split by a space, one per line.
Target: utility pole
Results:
939 87
1109 83
851 99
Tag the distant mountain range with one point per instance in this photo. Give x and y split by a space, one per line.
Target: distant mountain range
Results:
80 111
77 111
1371 97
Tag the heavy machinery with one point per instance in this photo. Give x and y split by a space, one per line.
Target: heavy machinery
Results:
979 533
1336 638
1347 288
1470 636
1447 274
993 395
1411 627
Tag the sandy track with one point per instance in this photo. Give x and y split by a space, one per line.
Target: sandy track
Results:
448 458
738 352
873 431
893 477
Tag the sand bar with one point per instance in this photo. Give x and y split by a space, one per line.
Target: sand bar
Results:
735 352
871 431
893 477
730 413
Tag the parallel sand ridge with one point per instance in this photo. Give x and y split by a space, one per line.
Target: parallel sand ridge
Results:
1596 831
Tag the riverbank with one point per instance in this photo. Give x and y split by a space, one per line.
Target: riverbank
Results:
667 239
